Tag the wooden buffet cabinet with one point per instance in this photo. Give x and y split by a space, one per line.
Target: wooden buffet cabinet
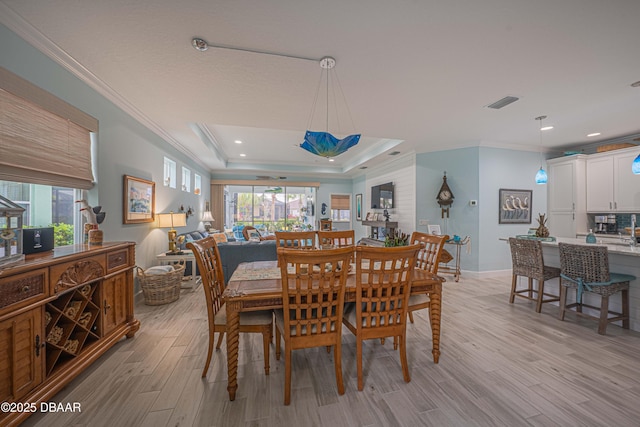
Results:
59 312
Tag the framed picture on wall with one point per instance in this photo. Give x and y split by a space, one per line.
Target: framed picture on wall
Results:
514 207
358 207
434 229
139 200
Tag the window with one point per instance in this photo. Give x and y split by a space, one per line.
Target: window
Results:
48 206
270 208
169 179
186 179
341 207
197 184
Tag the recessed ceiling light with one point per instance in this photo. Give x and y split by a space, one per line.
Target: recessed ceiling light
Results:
331 160
547 128
237 141
593 134
243 155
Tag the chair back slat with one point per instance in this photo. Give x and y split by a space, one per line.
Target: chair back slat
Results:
429 254
336 239
207 258
313 286
383 285
296 239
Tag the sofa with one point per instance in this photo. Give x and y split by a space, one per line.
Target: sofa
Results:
233 253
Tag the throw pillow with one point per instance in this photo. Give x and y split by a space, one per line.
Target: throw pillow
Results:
220 237
254 236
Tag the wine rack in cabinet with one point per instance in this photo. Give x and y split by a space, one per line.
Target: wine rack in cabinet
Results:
71 324
59 312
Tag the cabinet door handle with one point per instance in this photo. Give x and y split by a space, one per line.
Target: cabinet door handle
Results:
610 207
106 306
37 345
615 205
26 288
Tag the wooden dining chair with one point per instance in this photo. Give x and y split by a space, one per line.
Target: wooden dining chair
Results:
296 239
383 285
207 258
336 239
313 286
428 260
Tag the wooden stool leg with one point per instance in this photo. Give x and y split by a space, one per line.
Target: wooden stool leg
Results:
625 308
563 301
604 315
514 280
540 296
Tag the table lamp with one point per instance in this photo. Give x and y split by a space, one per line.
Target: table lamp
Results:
171 220
207 218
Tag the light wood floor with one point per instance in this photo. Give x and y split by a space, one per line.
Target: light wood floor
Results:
501 365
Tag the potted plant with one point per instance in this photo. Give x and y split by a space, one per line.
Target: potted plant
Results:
396 238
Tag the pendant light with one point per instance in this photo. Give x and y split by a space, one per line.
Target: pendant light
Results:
541 176
635 166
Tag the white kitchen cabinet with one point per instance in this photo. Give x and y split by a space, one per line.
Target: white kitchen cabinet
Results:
611 186
566 196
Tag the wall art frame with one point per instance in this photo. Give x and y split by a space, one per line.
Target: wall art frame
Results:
514 206
139 199
359 207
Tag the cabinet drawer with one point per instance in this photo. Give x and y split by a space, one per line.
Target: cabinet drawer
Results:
22 287
117 260
69 275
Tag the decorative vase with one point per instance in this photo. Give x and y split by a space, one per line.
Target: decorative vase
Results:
88 227
95 237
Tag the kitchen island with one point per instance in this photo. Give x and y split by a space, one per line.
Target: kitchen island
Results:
623 258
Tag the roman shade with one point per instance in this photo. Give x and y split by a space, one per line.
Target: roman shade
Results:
340 201
43 140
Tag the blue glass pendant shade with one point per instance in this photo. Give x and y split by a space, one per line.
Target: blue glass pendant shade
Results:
326 145
541 176
635 166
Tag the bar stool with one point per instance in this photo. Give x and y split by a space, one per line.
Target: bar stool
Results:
527 261
586 269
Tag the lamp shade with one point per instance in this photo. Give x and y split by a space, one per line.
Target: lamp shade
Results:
207 217
171 220
635 166
541 176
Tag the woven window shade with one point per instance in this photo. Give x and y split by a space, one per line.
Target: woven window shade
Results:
340 201
40 142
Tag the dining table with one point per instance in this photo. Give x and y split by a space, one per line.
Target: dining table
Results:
258 286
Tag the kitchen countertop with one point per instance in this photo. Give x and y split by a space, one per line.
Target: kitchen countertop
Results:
613 248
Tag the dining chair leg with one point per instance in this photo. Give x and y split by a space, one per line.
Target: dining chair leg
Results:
277 343
266 340
411 316
337 356
359 363
220 337
530 287
209 354
287 374
395 343
403 358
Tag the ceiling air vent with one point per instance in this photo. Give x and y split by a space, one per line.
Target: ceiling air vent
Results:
363 167
503 102
394 153
270 177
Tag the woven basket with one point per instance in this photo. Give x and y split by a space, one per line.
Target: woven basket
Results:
161 289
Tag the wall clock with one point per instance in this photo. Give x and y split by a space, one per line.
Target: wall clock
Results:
445 196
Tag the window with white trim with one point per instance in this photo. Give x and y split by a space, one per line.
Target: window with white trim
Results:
169 179
186 179
197 184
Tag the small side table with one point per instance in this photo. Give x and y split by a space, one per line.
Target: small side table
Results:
456 267
187 255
